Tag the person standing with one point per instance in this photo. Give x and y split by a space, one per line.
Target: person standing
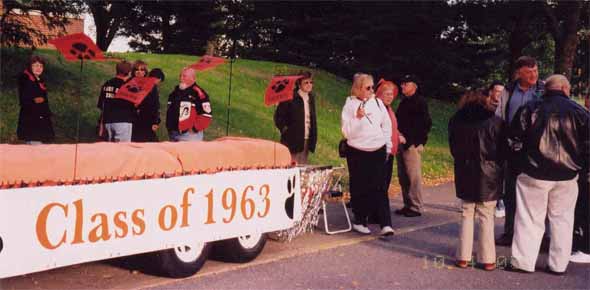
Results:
188 102
148 112
296 120
493 92
551 139
414 124
387 92
366 126
581 238
477 140
34 119
525 88
117 114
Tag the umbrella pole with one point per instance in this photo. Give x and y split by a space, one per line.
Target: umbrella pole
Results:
78 113
231 66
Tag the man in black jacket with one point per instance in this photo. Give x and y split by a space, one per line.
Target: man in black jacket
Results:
551 139
414 123
117 114
296 119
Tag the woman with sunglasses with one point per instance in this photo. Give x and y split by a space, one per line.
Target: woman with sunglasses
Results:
296 119
148 112
367 128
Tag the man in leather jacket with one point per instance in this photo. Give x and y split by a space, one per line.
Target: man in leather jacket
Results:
551 140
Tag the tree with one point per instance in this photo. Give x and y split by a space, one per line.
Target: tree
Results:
564 19
108 16
15 23
172 26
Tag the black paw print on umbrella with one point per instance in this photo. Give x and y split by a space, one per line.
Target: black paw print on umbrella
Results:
133 88
291 199
280 85
82 51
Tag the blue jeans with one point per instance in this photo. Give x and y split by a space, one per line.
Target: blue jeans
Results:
186 136
33 142
119 132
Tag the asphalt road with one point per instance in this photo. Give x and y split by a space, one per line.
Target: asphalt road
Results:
417 260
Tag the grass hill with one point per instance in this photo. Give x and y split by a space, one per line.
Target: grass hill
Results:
248 115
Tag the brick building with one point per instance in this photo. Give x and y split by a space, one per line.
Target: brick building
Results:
35 20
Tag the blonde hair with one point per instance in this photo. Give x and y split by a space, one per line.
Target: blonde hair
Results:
357 83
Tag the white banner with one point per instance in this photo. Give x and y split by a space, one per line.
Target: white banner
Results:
47 227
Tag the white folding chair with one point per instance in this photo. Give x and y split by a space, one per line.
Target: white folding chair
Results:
334 193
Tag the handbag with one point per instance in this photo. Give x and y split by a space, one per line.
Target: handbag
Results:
343 148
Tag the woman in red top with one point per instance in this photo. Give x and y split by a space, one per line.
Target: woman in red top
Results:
387 91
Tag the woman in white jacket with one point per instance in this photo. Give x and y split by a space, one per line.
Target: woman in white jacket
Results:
367 127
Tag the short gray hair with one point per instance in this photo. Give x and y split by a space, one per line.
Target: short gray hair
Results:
556 82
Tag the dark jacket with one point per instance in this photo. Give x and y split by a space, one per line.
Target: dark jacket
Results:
550 137
34 120
413 120
290 120
115 110
148 114
198 98
477 139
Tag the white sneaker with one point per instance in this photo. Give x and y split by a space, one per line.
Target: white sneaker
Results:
387 231
361 229
500 213
580 257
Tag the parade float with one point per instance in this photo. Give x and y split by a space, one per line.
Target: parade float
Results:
65 204
73 203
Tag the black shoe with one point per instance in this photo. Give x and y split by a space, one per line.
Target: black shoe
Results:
511 268
548 270
412 213
504 240
401 211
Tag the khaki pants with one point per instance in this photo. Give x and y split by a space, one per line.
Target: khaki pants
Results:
409 172
483 213
535 200
301 157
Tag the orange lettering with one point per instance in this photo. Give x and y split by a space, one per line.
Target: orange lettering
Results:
79 222
42 226
185 206
138 221
103 226
121 224
162 217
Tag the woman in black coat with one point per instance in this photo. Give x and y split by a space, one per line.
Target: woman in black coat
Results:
296 120
476 140
34 119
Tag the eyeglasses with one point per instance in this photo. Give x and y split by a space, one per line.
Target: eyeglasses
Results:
369 88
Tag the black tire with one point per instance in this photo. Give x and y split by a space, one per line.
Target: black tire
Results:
172 263
239 250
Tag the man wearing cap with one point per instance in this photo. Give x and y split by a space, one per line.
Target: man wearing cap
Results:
414 123
525 88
